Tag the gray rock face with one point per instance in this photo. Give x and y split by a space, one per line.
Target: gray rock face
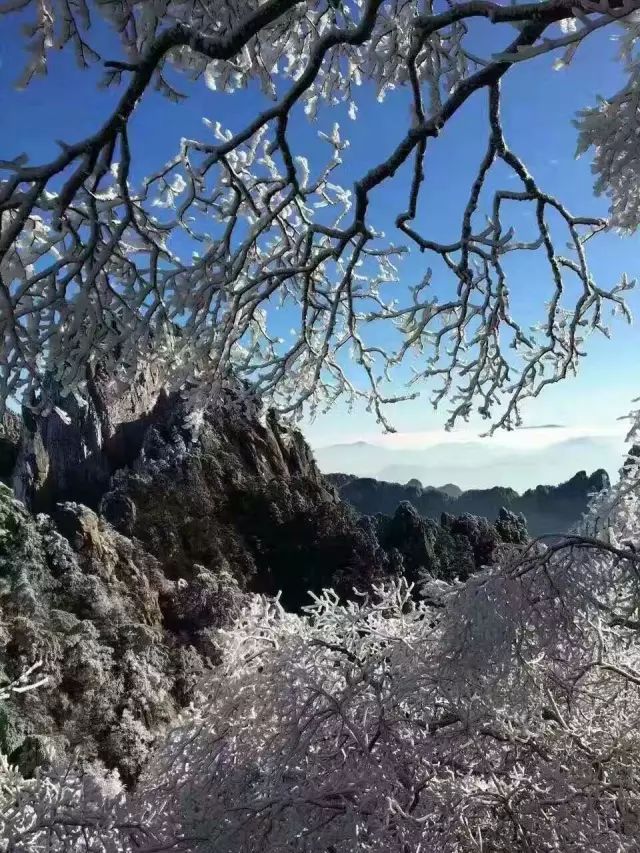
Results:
121 643
219 484
160 515
240 493
10 430
453 548
70 449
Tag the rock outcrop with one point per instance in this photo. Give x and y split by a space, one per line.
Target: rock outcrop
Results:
146 518
452 549
10 432
121 644
233 491
71 446
220 484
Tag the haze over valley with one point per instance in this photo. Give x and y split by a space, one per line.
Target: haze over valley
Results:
521 459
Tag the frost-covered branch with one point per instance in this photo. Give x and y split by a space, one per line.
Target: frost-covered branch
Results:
191 262
24 682
504 719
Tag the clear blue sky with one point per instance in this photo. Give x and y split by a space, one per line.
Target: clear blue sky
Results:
539 104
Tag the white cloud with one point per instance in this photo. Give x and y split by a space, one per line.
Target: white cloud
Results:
520 439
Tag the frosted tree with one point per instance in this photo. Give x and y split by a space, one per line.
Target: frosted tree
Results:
89 265
500 714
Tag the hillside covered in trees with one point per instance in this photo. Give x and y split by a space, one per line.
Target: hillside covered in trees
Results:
548 509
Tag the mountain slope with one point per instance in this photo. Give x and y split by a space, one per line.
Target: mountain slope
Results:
191 506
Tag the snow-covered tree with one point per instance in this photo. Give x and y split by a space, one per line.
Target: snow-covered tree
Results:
502 714
93 261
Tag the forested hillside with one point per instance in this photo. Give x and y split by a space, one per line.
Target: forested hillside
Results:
548 509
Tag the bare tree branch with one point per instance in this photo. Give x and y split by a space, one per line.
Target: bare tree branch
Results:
88 266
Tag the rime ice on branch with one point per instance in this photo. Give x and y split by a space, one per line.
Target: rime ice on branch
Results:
88 265
501 714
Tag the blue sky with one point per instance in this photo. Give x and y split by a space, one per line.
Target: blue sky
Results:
539 104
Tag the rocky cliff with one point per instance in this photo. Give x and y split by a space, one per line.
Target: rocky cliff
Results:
10 430
143 521
218 483
120 643
452 549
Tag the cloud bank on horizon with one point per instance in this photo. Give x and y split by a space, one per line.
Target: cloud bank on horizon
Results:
521 459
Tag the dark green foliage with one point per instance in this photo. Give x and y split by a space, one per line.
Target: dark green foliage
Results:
482 536
11 530
454 555
8 740
412 537
299 545
455 548
512 528
548 509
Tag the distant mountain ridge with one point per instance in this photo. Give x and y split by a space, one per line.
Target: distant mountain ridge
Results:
539 456
547 509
